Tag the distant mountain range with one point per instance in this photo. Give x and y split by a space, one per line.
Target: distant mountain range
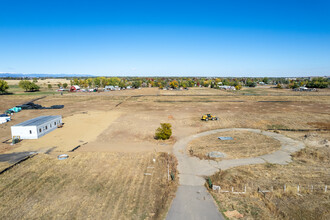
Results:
35 75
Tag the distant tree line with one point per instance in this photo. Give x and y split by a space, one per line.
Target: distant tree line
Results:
176 82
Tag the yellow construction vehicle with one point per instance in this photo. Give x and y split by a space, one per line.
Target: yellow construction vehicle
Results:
209 117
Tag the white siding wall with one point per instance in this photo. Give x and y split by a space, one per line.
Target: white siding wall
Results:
34 132
24 132
48 127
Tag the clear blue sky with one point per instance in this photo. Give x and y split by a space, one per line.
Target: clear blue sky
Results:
158 37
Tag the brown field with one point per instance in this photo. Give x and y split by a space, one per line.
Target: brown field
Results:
119 127
88 185
310 168
41 82
245 144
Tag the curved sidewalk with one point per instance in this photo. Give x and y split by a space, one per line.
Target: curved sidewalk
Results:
192 200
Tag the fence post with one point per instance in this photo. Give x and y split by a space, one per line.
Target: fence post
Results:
325 188
298 189
284 187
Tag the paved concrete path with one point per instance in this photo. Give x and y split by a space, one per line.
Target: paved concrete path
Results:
188 203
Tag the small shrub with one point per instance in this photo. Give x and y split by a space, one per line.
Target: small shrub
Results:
164 132
279 86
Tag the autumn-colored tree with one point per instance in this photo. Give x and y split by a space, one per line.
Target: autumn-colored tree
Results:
174 84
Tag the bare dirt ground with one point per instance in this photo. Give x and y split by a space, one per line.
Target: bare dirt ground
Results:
78 129
127 122
245 144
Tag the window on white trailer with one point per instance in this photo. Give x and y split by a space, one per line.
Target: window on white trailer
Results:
40 130
55 123
46 127
50 125
30 132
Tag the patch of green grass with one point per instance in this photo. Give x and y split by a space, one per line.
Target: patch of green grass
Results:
276 127
270 165
254 211
38 93
221 208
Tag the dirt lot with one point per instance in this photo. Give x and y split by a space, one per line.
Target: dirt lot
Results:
120 124
77 130
245 144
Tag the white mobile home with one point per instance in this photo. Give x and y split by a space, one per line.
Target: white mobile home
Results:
36 127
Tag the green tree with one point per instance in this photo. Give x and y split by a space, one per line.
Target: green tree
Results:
136 84
65 85
250 83
75 81
28 86
24 84
122 84
164 132
97 82
3 86
89 82
50 86
293 85
265 80
59 85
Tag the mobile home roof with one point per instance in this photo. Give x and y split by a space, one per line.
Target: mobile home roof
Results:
38 121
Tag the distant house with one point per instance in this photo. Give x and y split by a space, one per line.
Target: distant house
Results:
74 88
36 127
111 88
227 87
305 89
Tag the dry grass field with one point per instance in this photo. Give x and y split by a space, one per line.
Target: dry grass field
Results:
88 186
119 127
309 169
245 144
